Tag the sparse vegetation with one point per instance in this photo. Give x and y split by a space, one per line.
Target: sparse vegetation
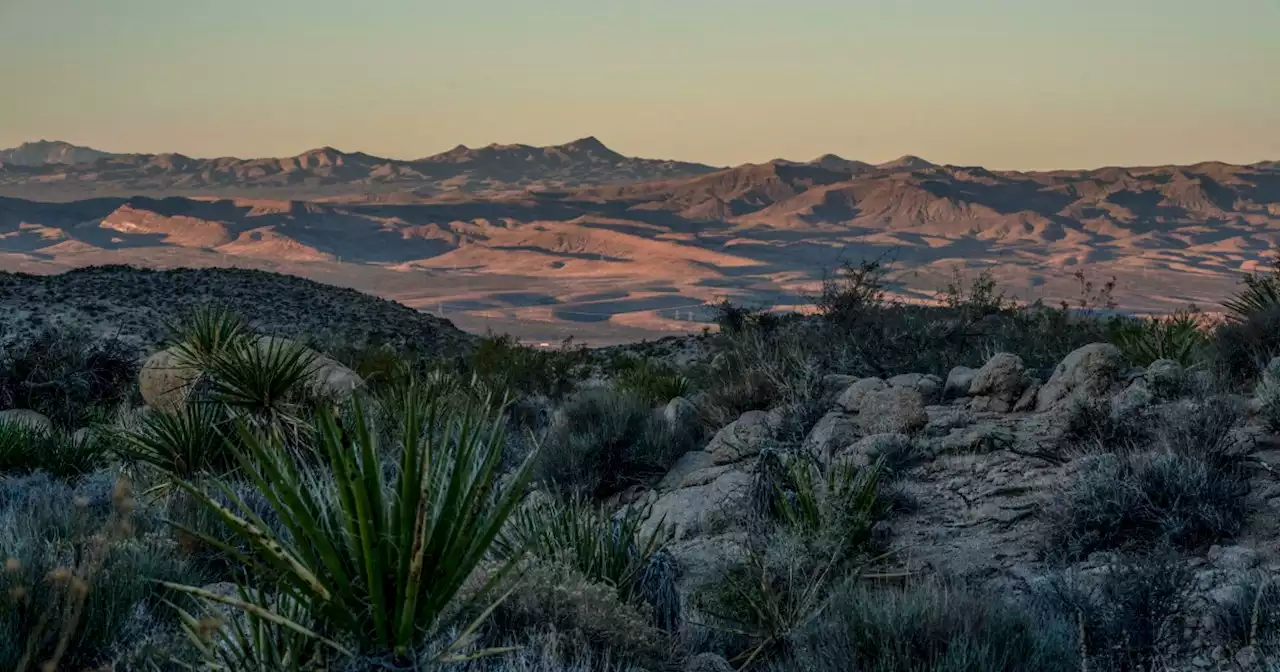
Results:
606 441
495 508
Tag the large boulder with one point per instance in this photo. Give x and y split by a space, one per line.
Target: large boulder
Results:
893 410
27 419
165 381
326 377
680 413
959 380
689 463
896 450
1089 372
929 386
999 384
709 500
851 399
1166 378
833 433
742 438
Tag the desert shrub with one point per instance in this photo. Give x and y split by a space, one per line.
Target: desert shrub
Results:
1249 614
1179 337
1244 346
376 556
785 576
547 650
761 601
505 363
1094 425
761 369
853 289
656 383
78 578
555 595
58 452
64 374
1129 613
604 548
606 441
931 626
1268 395
1146 499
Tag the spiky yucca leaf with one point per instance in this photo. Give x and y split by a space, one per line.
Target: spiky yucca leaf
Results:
378 561
842 505
257 641
1261 292
262 380
1178 337
186 442
605 548
206 334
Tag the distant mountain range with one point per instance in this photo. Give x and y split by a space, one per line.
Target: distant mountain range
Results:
577 233
61 171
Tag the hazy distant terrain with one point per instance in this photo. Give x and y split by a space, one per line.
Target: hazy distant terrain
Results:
579 239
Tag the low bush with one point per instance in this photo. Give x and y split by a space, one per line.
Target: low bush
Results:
556 596
1243 347
605 441
66 374
25 450
1249 615
931 626
506 364
656 383
604 548
78 576
1129 614
1096 426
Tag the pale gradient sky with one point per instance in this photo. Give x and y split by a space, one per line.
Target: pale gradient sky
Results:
1025 84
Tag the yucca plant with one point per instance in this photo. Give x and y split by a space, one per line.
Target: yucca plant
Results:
255 642
376 560
604 548
1261 292
1178 337
207 333
187 442
842 506
656 384
263 381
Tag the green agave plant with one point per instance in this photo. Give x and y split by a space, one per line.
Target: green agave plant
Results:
375 560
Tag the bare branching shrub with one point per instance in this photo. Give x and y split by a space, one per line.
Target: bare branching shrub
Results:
1130 615
66 374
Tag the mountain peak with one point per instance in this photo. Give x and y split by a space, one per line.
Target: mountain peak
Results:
589 143
907 162
44 152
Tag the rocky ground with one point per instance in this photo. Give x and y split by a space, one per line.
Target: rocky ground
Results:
982 458
136 305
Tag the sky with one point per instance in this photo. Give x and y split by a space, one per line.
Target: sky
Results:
1008 84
